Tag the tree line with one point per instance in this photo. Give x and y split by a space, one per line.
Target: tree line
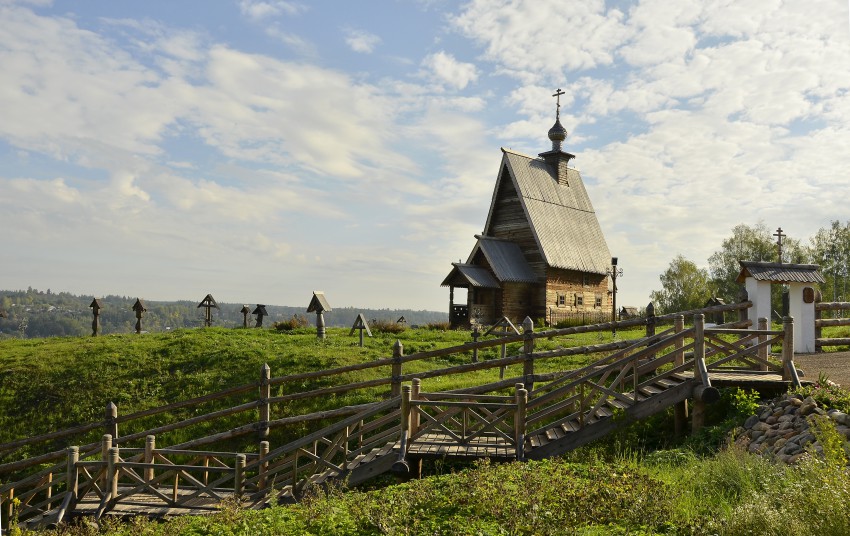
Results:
684 285
35 313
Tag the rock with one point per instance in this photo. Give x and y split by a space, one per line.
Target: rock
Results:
751 421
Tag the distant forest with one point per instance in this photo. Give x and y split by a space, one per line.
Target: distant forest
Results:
33 313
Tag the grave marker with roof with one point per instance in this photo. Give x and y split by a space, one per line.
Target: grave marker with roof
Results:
96 305
319 304
260 311
140 309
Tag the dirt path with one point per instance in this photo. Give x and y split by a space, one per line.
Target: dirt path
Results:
835 365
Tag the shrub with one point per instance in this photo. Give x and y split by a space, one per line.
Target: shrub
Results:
439 326
387 326
827 394
290 324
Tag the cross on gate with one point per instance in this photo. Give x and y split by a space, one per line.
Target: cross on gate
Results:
779 235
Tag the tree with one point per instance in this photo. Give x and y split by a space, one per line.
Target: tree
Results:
747 243
830 248
683 286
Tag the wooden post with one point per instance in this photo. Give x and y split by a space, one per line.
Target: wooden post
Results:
112 472
651 321
71 473
743 313
405 411
416 388
818 327
239 475
528 351
105 445
111 421
789 373
680 410
476 333
763 352
264 464
395 379
521 397
700 372
265 407
150 447
698 416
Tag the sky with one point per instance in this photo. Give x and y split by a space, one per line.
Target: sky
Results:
259 150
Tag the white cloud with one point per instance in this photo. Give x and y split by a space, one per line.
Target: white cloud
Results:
362 41
257 10
447 70
538 39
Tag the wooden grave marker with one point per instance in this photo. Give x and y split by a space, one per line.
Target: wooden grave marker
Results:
260 311
361 324
96 305
319 304
208 303
140 309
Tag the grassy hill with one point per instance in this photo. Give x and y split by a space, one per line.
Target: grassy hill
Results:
622 485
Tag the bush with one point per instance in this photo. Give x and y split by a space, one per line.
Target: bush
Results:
439 326
292 323
827 394
387 326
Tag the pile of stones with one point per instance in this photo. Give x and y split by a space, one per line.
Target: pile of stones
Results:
780 428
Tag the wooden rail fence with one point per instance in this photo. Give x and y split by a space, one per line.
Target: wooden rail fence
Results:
112 471
820 323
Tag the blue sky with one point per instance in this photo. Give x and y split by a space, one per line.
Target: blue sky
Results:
260 150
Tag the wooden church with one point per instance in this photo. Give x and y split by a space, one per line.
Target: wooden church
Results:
542 250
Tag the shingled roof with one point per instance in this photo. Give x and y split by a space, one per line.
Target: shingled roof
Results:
505 258
780 272
561 216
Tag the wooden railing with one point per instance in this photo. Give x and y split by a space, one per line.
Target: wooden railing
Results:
820 323
44 487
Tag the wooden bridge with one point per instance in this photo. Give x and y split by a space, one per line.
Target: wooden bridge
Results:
530 417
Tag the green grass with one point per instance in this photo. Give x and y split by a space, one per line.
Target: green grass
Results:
619 485
52 384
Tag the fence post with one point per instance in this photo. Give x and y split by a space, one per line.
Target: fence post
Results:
105 445
239 475
521 398
111 421
528 350
264 464
650 319
743 313
265 408
416 388
789 373
395 379
150 447
818 328
476 333
763 351
680 410
112 472
700 372
71 478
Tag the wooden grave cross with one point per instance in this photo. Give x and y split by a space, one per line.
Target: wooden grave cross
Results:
245 310
361 324
208 303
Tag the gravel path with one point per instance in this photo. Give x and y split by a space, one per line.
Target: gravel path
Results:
835 365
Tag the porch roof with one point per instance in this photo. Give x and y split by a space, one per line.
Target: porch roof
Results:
469 275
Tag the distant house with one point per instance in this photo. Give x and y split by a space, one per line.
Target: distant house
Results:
627 312
542 247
